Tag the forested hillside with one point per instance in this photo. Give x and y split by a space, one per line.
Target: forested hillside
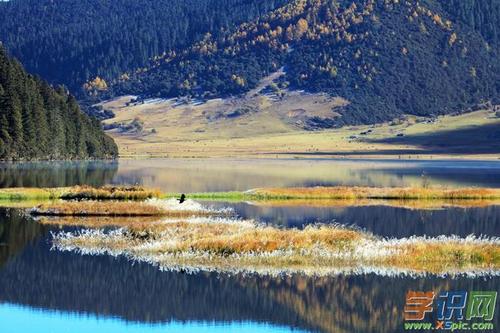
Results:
74 41
481 15
386 57
38 122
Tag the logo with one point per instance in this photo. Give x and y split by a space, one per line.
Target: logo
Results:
450 310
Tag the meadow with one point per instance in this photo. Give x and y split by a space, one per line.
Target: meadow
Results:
275 129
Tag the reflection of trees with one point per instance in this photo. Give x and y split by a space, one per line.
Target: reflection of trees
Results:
353 304
140 292
384 220
16 232
53 174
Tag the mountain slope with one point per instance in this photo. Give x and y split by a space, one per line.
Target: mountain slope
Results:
38 122
387 58
73 41
481 15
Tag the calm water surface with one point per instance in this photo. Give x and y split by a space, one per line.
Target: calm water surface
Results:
200 175
49 291
384 221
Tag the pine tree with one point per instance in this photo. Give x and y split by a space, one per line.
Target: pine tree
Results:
38 122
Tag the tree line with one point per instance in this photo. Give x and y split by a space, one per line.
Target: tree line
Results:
387 58
72 42
40 122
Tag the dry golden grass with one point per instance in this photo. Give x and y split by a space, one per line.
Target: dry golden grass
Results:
228 238
345 195
272 131
110 193
96 208
110 208
26 193
79 192
233 246
99 221
408 204
452 254
387 193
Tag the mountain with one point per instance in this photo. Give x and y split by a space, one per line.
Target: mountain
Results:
386 58
39 122
71 42
480 15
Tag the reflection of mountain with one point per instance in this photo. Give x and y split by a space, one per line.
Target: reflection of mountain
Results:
201 175
140 292
210 175
381 220
54 174
466 173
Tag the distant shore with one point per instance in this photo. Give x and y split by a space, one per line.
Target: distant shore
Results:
168 131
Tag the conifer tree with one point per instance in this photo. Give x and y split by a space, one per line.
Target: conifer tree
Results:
39 122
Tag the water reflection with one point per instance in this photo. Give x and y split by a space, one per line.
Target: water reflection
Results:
381 220
108 287
16 233
23 319
202 175
55 174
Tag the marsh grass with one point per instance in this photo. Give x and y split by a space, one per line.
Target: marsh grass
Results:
233 196
79 193
98 221
386 193
110 193
223 245
441 254
407 204
96 208
353 193
24 193
118 209
138 193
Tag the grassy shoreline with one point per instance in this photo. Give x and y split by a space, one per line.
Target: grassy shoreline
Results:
346 193
78 193
243 246
191 236
148 208
350 193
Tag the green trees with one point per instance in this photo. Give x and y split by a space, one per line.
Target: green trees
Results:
38 122
481 15
387 58
72 42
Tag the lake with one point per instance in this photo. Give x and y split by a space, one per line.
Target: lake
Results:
44 290
207 175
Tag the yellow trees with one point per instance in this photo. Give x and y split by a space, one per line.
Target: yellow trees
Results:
452 39
301 27
437 19
96 84
238 80
294 32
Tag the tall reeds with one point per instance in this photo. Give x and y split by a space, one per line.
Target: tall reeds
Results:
110 193
243 246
